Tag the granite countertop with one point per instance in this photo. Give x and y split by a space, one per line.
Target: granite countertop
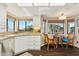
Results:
11 35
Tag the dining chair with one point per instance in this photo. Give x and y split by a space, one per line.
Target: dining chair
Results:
71 39
68 40
48 41
56 41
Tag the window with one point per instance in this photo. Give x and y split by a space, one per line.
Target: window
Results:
29 26
71 27
25 26
2 26
53 27
21 26
10 25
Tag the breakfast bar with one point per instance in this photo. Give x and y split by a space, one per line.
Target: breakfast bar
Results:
16 43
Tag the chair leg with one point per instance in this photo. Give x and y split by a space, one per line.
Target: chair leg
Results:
56 45
48 47
61 45
66 46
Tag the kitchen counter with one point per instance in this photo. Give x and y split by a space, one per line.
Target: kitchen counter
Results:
4 36
15 43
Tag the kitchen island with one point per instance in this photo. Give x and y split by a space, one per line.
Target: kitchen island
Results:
16 43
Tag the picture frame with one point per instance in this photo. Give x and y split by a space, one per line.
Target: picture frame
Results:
77 22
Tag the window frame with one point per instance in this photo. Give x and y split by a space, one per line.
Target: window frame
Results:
19 25
58 33
67 25
7 28
25 26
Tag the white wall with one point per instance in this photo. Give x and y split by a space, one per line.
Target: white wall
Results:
3 18
36 21
76 34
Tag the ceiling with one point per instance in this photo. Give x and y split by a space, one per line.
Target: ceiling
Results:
69 9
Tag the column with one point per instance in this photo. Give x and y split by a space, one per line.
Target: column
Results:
16 25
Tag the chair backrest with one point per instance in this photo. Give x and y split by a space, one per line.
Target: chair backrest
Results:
66 35
70 36
46 38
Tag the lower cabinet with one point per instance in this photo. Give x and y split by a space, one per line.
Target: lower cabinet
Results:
8 47
24 43
12 46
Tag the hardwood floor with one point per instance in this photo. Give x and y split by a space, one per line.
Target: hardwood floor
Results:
56 52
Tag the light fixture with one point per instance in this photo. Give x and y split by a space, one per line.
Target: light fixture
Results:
62 17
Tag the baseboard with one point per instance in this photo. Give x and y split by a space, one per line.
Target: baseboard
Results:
76 47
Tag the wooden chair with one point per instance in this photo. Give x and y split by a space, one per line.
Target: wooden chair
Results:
63 40
48 41
70 38
56 41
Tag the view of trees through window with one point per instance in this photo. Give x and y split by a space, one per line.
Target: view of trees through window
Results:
10 25
53 27
29 26
71 27
21 26
25 26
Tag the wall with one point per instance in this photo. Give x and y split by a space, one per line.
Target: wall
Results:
36 21
2 18
76 41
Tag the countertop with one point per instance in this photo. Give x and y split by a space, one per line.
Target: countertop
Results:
11 35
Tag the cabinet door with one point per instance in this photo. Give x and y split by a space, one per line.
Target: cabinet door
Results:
24 43
21 44
35 43
8 47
